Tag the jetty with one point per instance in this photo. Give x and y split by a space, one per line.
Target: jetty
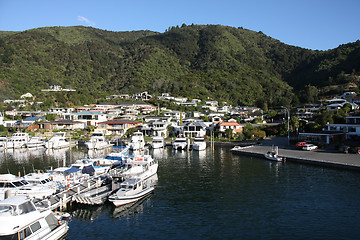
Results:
320 157
63 198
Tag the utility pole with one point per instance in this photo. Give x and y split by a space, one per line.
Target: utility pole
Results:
288 123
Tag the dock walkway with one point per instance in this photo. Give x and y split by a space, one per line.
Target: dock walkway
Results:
318 157
60 199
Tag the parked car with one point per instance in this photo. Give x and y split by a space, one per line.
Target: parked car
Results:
309 147
300 145
344 149
348 149
355 150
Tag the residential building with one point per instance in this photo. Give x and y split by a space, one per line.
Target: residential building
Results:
117 126
62 125
231 124
89 118
351 127
193 129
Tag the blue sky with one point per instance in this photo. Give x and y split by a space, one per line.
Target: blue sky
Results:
312 24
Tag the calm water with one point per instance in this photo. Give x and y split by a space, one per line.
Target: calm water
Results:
219 195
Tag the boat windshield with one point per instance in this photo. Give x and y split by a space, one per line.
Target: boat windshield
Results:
24 208
180 140
19 183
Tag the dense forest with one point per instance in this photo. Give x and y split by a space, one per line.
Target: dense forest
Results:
233 65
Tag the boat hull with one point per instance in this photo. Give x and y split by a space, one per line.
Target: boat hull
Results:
125 200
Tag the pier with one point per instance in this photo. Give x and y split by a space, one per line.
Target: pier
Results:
62 199
318 157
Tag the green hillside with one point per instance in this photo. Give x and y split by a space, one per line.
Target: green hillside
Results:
236 65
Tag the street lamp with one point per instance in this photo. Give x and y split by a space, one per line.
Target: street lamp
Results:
288 124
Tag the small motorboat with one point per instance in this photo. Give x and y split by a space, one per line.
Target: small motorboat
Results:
273 155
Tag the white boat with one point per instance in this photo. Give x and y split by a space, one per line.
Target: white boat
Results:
90 166
18 140
19 219
273 155
58 141
10 185
141 166
45 179
3 142
157 142
137 141
36 142
97 141
133 190
180 143
199 144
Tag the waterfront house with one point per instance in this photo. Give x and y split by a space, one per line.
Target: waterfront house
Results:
193 129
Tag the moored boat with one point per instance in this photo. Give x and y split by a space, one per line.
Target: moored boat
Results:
137 141
199 144
273 154
133 190
58 141
18 140
10 185
97 141
157 142
36 142
180 143
19 219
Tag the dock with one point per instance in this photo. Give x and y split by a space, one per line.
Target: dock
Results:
62 199
318 157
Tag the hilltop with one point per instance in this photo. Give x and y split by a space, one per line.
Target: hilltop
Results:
229 64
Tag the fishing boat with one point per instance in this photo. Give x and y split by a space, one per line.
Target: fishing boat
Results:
180 143
20 219
97 141
36 142
133 190
157 142
199 144
58 141
137 141
10 185
273 154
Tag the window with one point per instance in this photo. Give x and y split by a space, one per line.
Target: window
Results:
34 227
25 233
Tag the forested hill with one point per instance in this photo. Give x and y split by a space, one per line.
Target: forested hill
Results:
200 61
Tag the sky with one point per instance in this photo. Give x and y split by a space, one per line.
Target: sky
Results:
311 24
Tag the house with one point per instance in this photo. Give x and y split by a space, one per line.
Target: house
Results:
142 96
351 127
231 124
89 118
193 129
31 120
155 128
62 125
175 114
117 126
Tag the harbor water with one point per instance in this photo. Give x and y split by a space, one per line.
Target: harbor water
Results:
216 195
